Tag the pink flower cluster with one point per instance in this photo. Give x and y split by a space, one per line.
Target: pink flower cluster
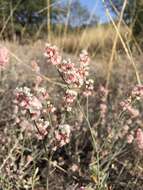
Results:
103 92
127 106
25 100
4 56
35 66
62 135
139 139
137 92
72 75
84 62
31 113
52 54
69 99
34 107
88 90
43 127
130 138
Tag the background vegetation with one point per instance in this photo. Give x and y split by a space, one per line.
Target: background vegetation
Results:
104 152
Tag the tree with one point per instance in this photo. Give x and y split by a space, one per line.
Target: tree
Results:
133 14
79 15
29 16
23 15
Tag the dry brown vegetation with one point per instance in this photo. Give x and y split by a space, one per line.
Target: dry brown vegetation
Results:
98 156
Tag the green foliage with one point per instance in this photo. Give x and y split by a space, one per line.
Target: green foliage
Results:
133 14
17 15
26 18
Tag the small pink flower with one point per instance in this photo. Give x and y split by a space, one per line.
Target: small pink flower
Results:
137 91
50 107
103 92
126 106
4 56
125 130
103 109
38 81
52 53
84 58
130 138
133 112
42 129
88 87
69 98
35 66
139 139
81 188
35 103
62 135
26 125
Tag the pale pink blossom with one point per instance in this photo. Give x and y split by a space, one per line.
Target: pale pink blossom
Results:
50 107
130 138
69 98
88 87
66 66
38 81
103 93
71 73
137 91
84 63
125 130
28 102
82 188
133 112
35 103
42 94
103 109
52 54
84 58
62 135
35 66
126 106
139 139
26 125
42 128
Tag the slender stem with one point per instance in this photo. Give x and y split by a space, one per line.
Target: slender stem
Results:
46 153
41 135
87 107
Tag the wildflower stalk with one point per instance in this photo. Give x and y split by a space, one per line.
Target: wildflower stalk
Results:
1 78
87 111
44 145
85 115
46 154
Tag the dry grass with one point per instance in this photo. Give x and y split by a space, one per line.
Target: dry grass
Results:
97 39
98 155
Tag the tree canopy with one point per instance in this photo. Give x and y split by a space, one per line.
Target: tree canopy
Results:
133 14
29 16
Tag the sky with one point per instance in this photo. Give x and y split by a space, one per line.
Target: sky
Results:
97 7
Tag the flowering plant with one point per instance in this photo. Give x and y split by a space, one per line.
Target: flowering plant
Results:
33 107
